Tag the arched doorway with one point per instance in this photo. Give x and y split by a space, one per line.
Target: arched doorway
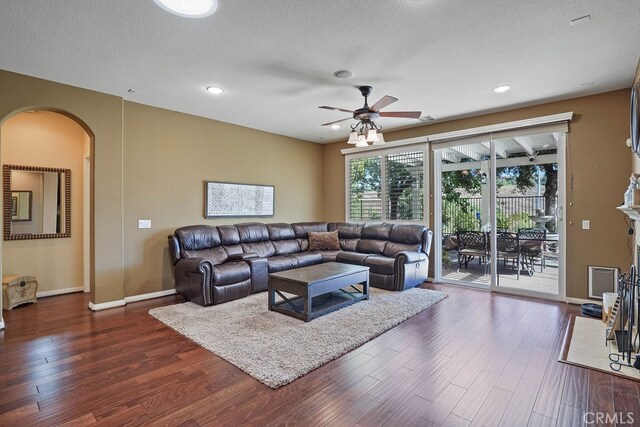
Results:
48 138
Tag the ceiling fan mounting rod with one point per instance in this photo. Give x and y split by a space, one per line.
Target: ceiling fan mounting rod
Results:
365 91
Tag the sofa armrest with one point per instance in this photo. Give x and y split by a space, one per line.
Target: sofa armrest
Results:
427 238
174 249
193 280
406 257
243 257
412 268
259 273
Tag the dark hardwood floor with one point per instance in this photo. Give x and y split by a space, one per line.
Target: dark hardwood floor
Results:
475 358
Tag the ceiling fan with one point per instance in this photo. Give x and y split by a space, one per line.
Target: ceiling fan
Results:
366 116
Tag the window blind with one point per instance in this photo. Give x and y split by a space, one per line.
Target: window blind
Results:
365 188
404 189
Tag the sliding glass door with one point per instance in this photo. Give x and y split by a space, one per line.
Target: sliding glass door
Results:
498 212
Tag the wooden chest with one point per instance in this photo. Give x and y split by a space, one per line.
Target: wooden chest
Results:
18 290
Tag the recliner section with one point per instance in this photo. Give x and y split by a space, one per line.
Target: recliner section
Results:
216 264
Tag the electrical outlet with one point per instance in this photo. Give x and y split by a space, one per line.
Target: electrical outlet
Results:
144 223
586 224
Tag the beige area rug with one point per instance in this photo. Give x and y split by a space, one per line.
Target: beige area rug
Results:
275 348
584 345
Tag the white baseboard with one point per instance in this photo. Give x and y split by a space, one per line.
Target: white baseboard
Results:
44 294
150 295
134 298
581 301
1 325
106 305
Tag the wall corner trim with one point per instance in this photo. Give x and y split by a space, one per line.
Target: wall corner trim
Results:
127 300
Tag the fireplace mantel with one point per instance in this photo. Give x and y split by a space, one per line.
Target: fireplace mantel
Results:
632 211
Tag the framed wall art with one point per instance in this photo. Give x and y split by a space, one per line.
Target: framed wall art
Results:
227 199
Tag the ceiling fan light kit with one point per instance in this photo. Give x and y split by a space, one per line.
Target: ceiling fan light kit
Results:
362 141
380 140
353 137
366 130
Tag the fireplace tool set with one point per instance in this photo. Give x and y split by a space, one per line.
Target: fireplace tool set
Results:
622 322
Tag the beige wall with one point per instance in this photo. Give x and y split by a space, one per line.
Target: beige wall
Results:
52 140
150 163
101 116
598 161
167 158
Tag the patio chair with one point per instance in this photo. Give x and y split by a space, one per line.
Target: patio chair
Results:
532 242
472 244
509 249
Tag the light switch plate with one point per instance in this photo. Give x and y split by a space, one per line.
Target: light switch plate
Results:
586 224
144 223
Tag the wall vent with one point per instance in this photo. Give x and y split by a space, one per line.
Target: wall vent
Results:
601 280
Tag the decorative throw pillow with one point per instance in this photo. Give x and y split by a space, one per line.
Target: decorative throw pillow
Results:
323 241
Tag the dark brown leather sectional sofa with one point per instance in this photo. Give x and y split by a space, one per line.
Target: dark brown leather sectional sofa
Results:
216 264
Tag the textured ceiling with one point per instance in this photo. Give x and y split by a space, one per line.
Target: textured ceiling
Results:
275 58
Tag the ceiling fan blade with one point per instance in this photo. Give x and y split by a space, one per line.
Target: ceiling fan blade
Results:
337 121
335 108
402 114
383 102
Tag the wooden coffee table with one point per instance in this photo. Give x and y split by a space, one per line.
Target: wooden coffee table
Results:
318 289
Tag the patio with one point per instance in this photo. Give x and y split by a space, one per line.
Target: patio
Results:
545 281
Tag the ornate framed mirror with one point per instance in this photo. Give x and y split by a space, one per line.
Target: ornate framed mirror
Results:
37 202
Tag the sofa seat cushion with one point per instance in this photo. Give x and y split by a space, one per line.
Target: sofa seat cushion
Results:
308 258
230 292
329 256
352 258
231 272
380 265
281 263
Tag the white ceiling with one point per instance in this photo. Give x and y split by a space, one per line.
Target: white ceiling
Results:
275 58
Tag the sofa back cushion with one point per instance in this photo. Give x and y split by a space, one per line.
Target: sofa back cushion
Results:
303 228
254 238
374 237
405 237
230 239
283 238
348 234
196 237
201 241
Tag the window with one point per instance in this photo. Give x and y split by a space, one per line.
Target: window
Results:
386 186
404 192
365 178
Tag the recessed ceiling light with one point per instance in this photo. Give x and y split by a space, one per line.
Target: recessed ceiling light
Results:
335 126
215 90
501 89
343 74
189 8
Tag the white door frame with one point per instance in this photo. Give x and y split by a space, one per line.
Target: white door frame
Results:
561 138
